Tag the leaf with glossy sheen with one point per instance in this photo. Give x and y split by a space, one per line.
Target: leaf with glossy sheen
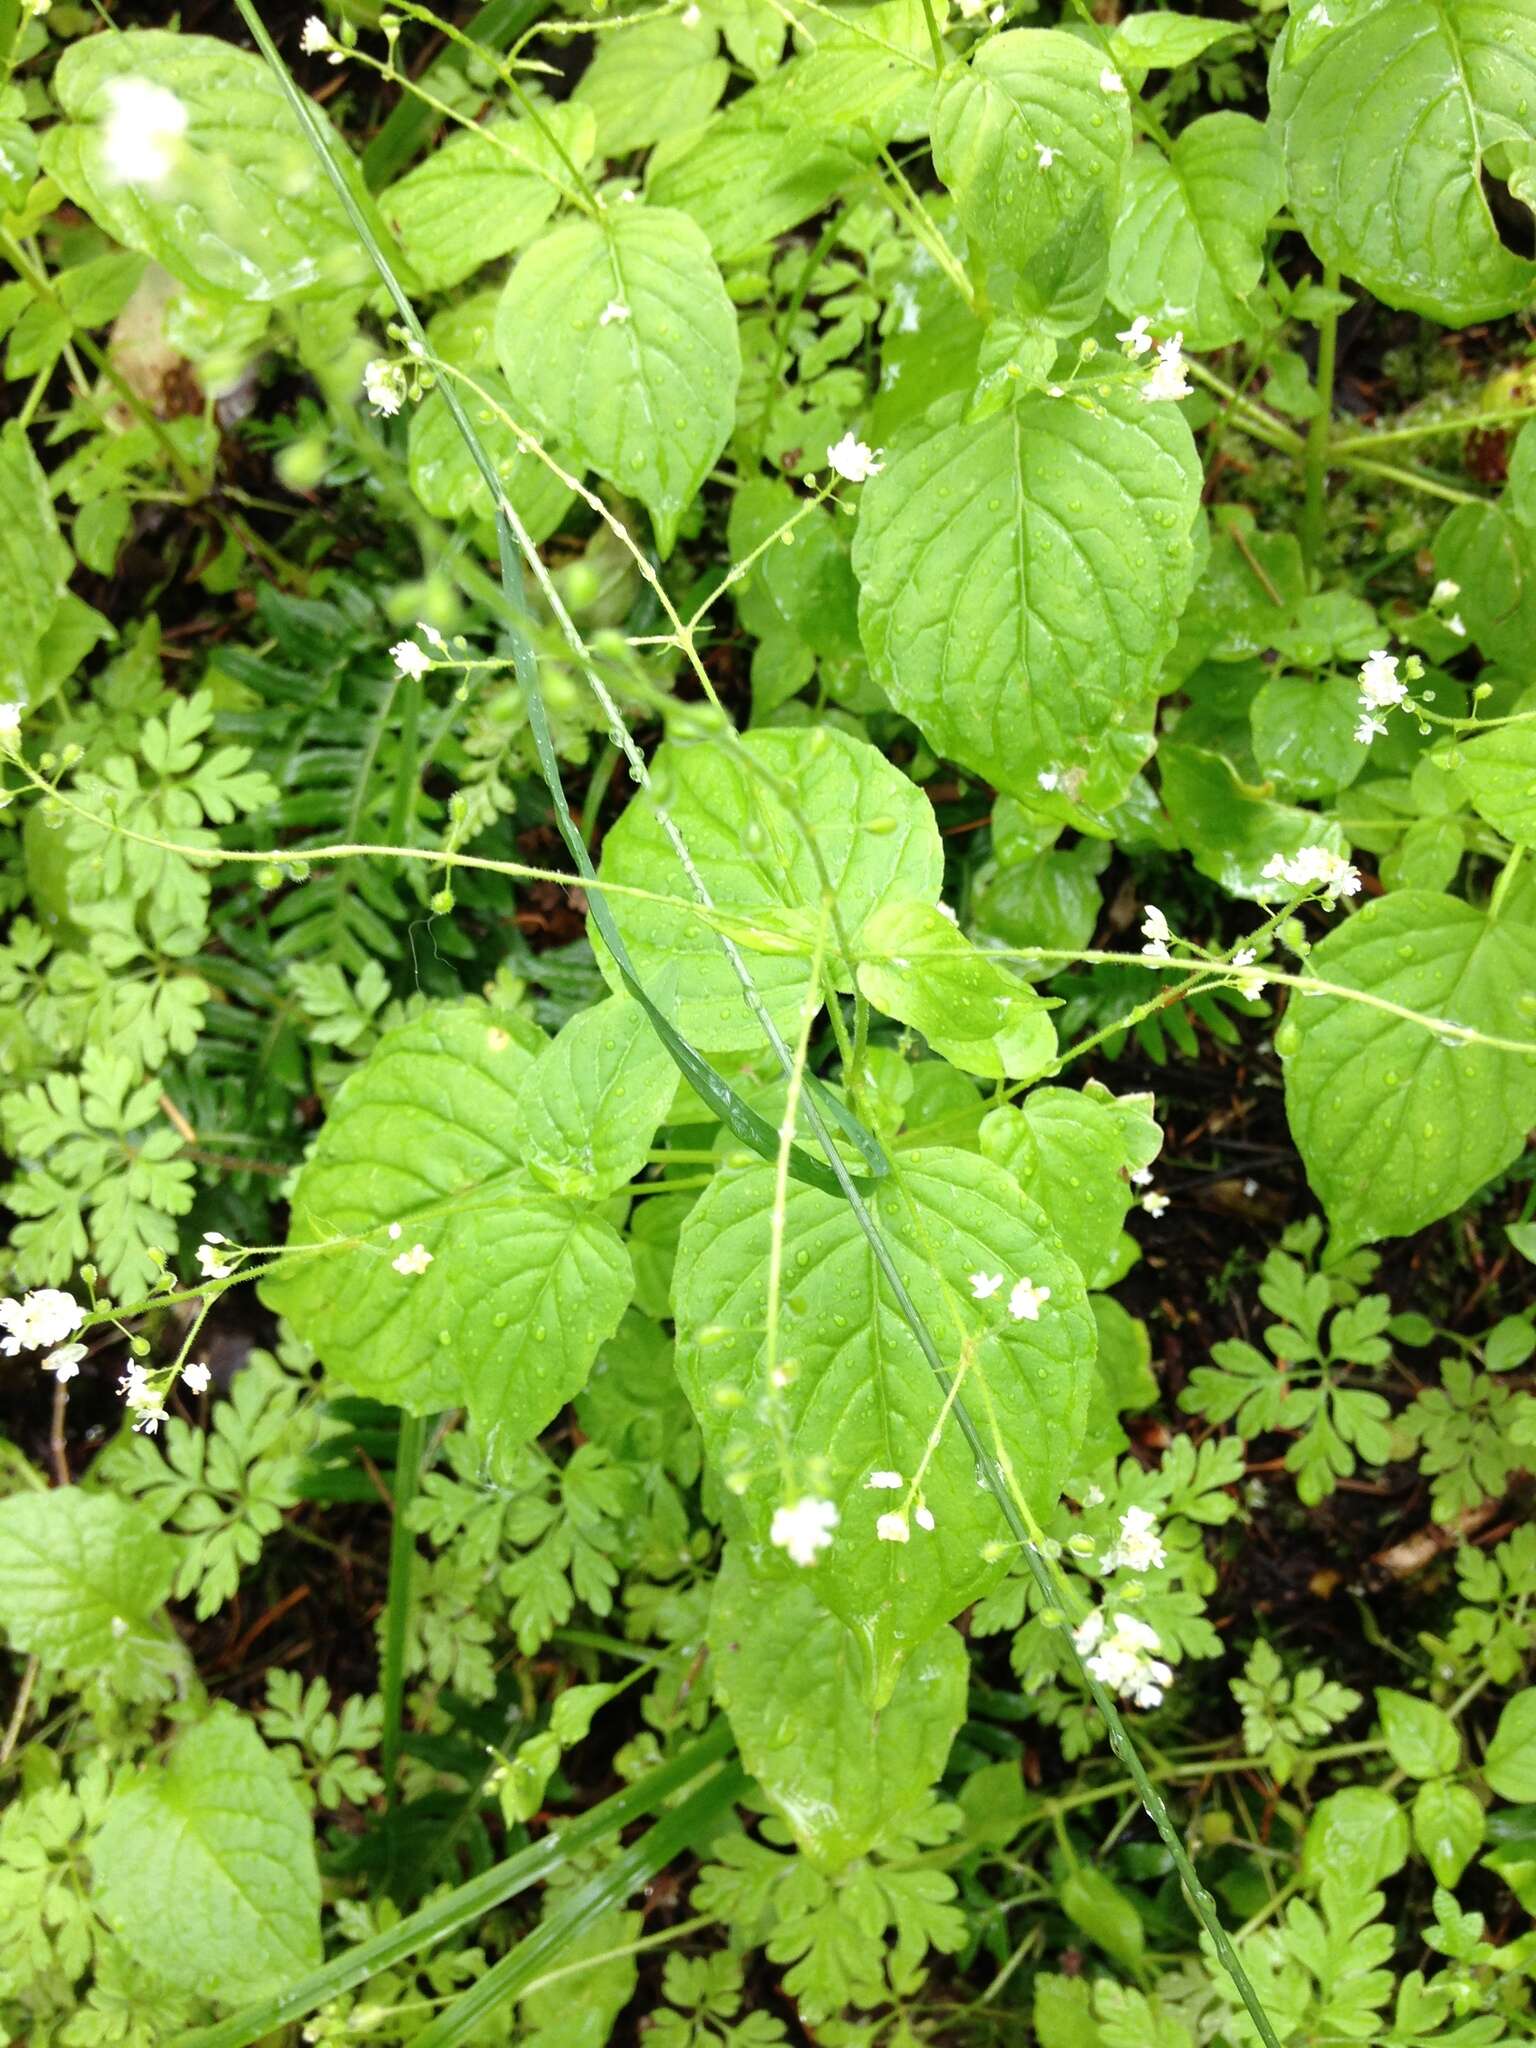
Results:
446 478
1188 248
918 968
1021 579
1389 113
795 1683
245 210
1421 1738
523 1285
1509 1763
1033 149
1073 1151
650 80
860 1398
205 1866
618 337
1497 769
1232 832
486 192
878 842
1448 1828
1396 1124
591 1102
34 563
75 1569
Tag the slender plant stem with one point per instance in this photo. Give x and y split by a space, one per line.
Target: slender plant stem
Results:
410 1441
1319 433
1458 423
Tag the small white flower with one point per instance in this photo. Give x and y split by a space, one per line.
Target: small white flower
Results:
1444 591
1455 624
1154 929
1027 1300
1049 778
410 659
1167 380
944 911
1046 154
316 40
985 1285
923 1518
691 17
804 1528
1368 728
1314 867
893 1529
431 635
416 1260
142 1400
1094 1497
384 386
1135 339
1111 81
141 135
854 460
394 1232
195 1378
1380 687
1244 957
40 1320
64 1363
10 726
615 312
1142 1176
884 1482
213 1267
1154 1204
1138 1547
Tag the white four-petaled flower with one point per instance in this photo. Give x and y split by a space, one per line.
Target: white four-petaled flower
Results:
855 461
1135 339
214 1265
985 1285
410 659
1154 1204
142 131
416 1260
803 1528
195 1378
1027 1300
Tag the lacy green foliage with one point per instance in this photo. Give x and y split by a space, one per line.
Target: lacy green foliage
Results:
812 362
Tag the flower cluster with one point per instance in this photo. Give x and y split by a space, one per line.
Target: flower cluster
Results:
803 1528
1166 380
385 386
1025 1300
39 1321
143 1398
316 40
1120 1651
1138 1547
1314 867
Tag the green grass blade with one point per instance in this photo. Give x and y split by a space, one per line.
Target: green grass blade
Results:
688 1827
468 1903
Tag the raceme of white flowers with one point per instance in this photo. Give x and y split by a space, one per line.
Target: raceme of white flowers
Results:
40 1320
1314 867
803 1528
1120 1651
141 136
143 1400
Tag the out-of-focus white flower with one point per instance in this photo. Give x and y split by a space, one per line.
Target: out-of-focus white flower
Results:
1027 1300
923 1518
855 461
615 313
415 1261
10 727
384 386
985 1285
1457 625
1119 1649
1314 867
195 1378
1046 154
884 1482
1154 930
1167 380
1138 1547
1135 339
1111 81
1444 591
40 1320
803 1528
893 1529
140 139
1154 1204
409 659
64 1363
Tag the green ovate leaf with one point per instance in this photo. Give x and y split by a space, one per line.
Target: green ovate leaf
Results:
486 192
1188 248
1448 1828
590 1103
1421 1738
795 1682
1021 578
1357 1837
658 78
1509 1764
754 818
80 1573
205 1866
236 205
1105 1914
1073 1153
1165 42
618 337
1497 769
1033 148
1397 1123
857 1395
1390 113
523 1286
919 968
